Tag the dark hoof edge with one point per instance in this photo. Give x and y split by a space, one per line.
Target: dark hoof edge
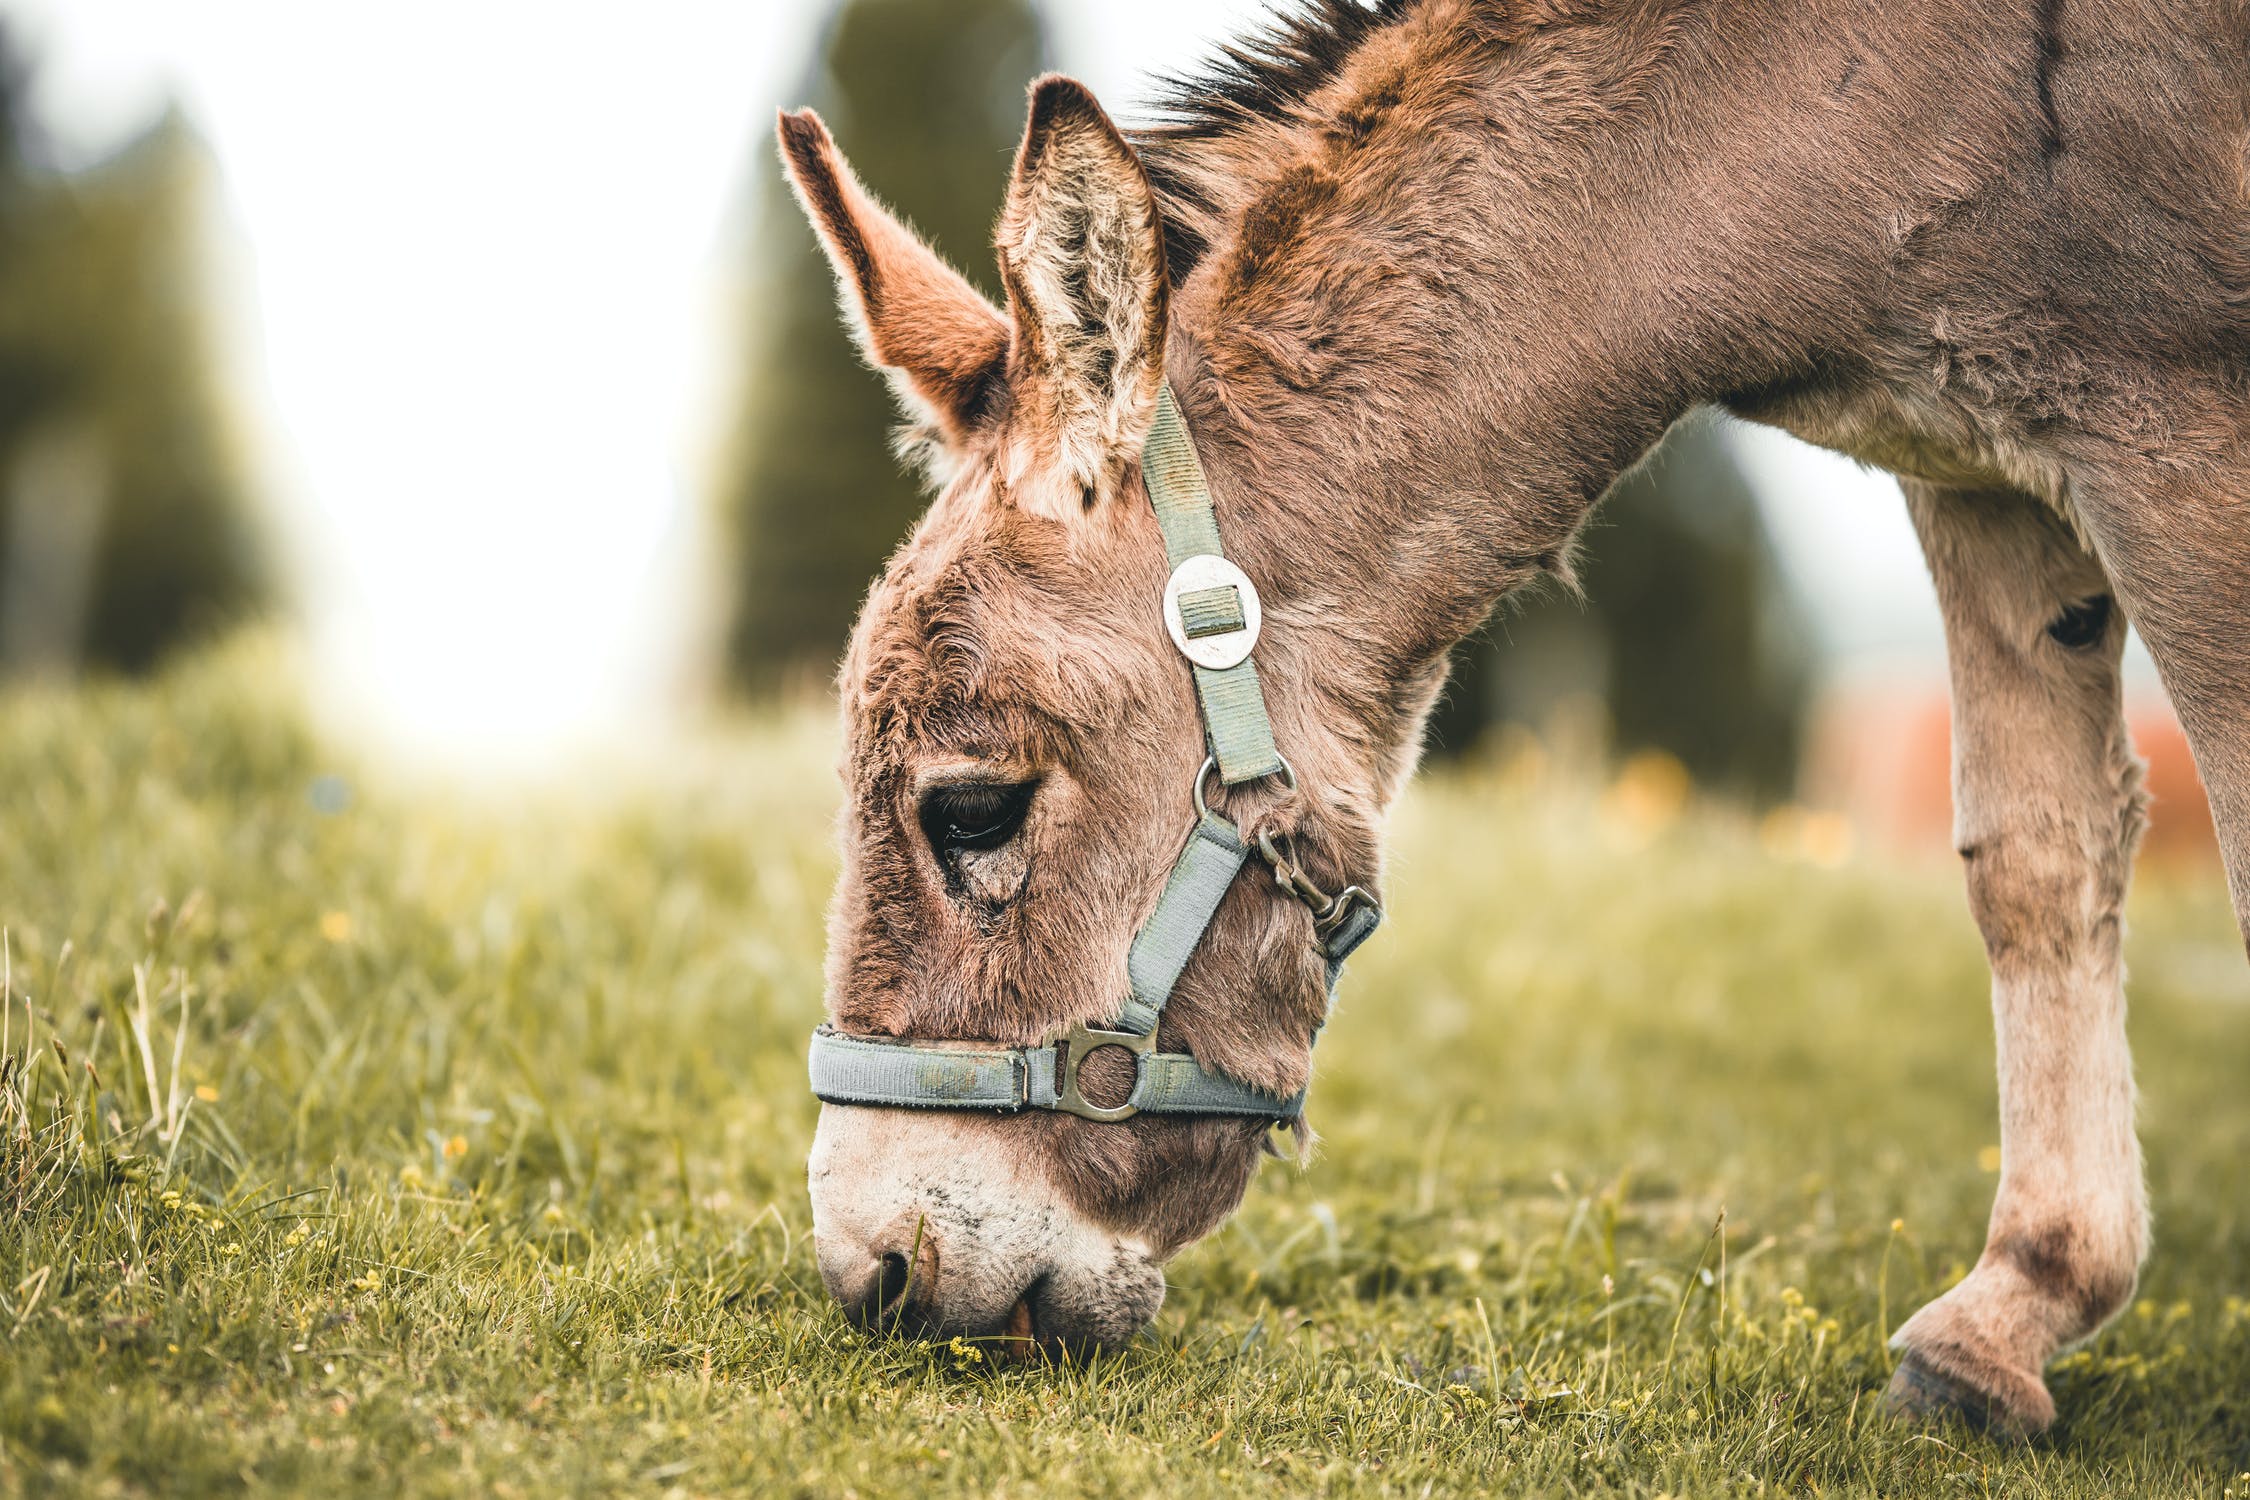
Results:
1921 1394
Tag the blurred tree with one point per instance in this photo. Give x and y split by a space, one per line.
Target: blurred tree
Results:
1688 638
123 525
23 382
928 101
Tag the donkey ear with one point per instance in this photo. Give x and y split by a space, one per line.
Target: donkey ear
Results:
944 347
1082 254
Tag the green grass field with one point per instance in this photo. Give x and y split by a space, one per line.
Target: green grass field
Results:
372 1140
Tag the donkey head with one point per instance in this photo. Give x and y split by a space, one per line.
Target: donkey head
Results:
1022 742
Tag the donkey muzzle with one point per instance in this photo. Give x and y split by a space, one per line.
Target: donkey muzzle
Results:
927 1225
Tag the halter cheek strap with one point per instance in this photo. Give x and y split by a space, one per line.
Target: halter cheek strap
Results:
1210 607
1212 611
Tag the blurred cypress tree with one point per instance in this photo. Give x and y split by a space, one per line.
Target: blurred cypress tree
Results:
124 528
1688 635
928 102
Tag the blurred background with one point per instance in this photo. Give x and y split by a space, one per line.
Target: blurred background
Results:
482 349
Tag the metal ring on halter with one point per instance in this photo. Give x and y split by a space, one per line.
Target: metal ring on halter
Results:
1081 1042
1287 773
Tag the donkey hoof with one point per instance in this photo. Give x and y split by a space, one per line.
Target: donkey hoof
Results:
1923 1394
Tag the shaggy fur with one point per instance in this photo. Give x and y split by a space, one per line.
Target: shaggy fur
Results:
1427 277
1082 254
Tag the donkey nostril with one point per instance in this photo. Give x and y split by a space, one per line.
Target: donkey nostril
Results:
892 1283
887 1283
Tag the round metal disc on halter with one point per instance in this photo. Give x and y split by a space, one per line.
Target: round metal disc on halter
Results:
1217 649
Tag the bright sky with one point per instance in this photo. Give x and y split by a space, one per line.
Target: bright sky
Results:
485 323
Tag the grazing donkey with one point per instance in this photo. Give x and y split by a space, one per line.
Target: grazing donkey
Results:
1347 349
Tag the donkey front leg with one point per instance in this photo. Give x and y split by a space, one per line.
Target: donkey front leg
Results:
2047 810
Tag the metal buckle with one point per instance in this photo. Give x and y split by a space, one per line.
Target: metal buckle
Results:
1226 648
1080 1043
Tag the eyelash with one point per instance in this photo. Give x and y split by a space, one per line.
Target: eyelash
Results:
974 816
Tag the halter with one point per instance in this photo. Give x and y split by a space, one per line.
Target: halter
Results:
1211 610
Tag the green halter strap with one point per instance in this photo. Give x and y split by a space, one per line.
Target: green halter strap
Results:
1209 606
1212 611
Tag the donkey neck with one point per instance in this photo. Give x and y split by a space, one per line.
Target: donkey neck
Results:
1450 292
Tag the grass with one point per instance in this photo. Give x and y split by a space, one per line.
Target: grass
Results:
374 1140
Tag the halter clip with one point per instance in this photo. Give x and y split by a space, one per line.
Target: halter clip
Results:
1342 913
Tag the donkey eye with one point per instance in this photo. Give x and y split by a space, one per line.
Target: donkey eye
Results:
975 815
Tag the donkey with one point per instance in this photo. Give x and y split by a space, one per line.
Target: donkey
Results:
1417 280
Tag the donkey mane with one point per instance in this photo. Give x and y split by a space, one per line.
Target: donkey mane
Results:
1267 76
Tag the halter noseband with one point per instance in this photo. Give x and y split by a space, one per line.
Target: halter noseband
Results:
1212 612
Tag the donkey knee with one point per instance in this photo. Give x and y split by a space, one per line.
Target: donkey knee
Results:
2041 892
2028 895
